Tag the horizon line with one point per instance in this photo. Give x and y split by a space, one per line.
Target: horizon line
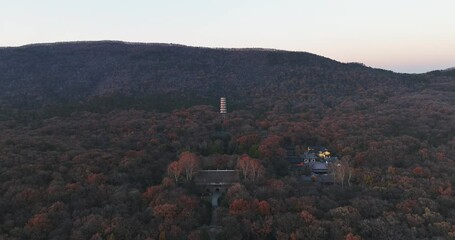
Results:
214 48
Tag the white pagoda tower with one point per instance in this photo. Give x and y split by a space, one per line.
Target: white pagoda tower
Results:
223 106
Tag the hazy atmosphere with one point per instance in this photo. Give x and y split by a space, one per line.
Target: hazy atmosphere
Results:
227 120
402 36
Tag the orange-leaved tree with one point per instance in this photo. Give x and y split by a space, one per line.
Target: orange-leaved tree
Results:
250 168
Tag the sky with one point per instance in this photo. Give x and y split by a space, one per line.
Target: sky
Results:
399 35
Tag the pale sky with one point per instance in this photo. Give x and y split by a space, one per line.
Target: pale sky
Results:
400 35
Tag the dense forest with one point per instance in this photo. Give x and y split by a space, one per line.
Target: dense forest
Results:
101 140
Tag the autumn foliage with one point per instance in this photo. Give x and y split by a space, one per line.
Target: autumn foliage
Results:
186 167
105 140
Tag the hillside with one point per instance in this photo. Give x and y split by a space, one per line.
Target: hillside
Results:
101 140
37 75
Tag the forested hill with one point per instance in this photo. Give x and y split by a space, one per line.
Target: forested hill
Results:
101 140
142 75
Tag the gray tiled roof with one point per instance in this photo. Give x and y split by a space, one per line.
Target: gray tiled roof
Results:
217 177
309 155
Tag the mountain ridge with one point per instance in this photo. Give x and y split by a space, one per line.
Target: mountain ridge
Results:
78 73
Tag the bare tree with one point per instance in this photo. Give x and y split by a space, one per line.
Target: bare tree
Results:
341 171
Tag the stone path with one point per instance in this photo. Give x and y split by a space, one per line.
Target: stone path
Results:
215 197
